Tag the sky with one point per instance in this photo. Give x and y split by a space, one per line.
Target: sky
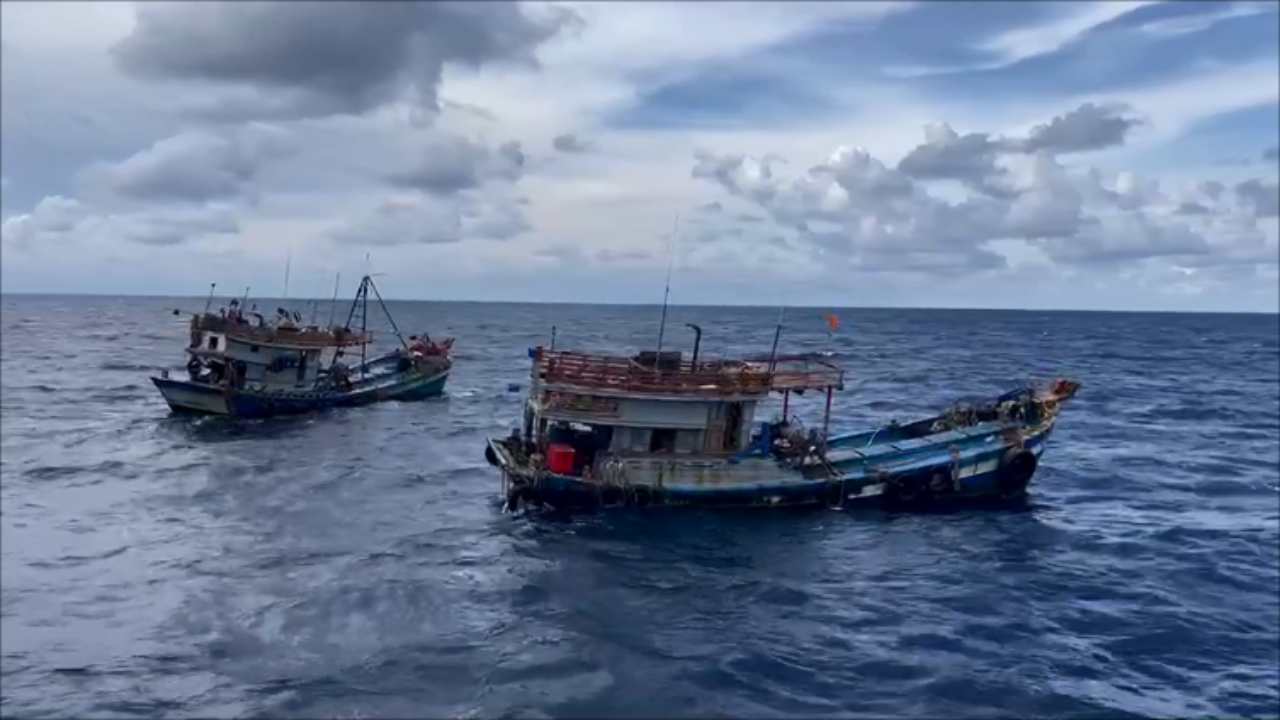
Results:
1110 156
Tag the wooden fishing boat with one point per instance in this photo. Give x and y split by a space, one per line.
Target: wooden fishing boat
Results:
241 368
655 429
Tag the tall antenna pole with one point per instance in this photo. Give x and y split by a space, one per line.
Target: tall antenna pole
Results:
671 262
209 301
333 304
288 262
315 299
777 333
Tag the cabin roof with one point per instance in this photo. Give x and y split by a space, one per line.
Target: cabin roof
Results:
704 380
280 336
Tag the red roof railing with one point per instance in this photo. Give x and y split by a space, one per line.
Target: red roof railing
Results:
710 378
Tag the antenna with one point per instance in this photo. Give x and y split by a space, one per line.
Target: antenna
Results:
315 299
287 263
777 333
333 304
209 301
671 262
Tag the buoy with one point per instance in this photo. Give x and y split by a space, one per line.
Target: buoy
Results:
513 387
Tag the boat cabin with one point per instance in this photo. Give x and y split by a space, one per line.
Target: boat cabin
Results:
262 356
584 409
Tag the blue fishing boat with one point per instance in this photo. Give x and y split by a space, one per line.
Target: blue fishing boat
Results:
657 430
240 365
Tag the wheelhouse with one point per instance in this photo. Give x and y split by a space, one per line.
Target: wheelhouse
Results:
586 411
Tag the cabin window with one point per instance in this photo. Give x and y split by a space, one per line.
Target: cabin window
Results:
253 348
213 342
662 440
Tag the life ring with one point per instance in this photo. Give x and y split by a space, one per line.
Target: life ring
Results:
1016 469
611 496
490 456
641 497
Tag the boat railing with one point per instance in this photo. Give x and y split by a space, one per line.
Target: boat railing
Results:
310 337
710 378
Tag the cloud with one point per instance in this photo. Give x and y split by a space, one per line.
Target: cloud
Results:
571 144
57 221
449 164
431 220
1014 46
1272 154
855 212
1262 199
313 59
1088 127
1180 26
198 166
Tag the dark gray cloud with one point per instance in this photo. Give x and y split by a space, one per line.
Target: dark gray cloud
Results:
1262 198
1088 127
313 59
571 144
198 166
1193 208
451 164
946 155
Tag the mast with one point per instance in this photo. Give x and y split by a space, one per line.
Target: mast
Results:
209 301
666 294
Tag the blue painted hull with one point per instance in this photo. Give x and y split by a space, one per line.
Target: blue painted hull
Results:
853 491
188 397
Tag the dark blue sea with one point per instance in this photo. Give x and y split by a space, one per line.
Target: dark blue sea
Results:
357 564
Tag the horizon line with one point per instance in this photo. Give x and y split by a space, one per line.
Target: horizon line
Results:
202 298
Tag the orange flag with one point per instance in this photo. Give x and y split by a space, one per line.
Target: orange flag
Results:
833 322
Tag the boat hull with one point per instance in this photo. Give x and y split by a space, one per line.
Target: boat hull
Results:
192 398
932 479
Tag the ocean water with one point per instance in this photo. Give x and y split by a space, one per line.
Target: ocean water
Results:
357 564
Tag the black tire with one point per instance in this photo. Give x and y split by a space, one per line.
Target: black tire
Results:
939 483
641 497
1016 470
833 496
490 456
906 490
611 497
